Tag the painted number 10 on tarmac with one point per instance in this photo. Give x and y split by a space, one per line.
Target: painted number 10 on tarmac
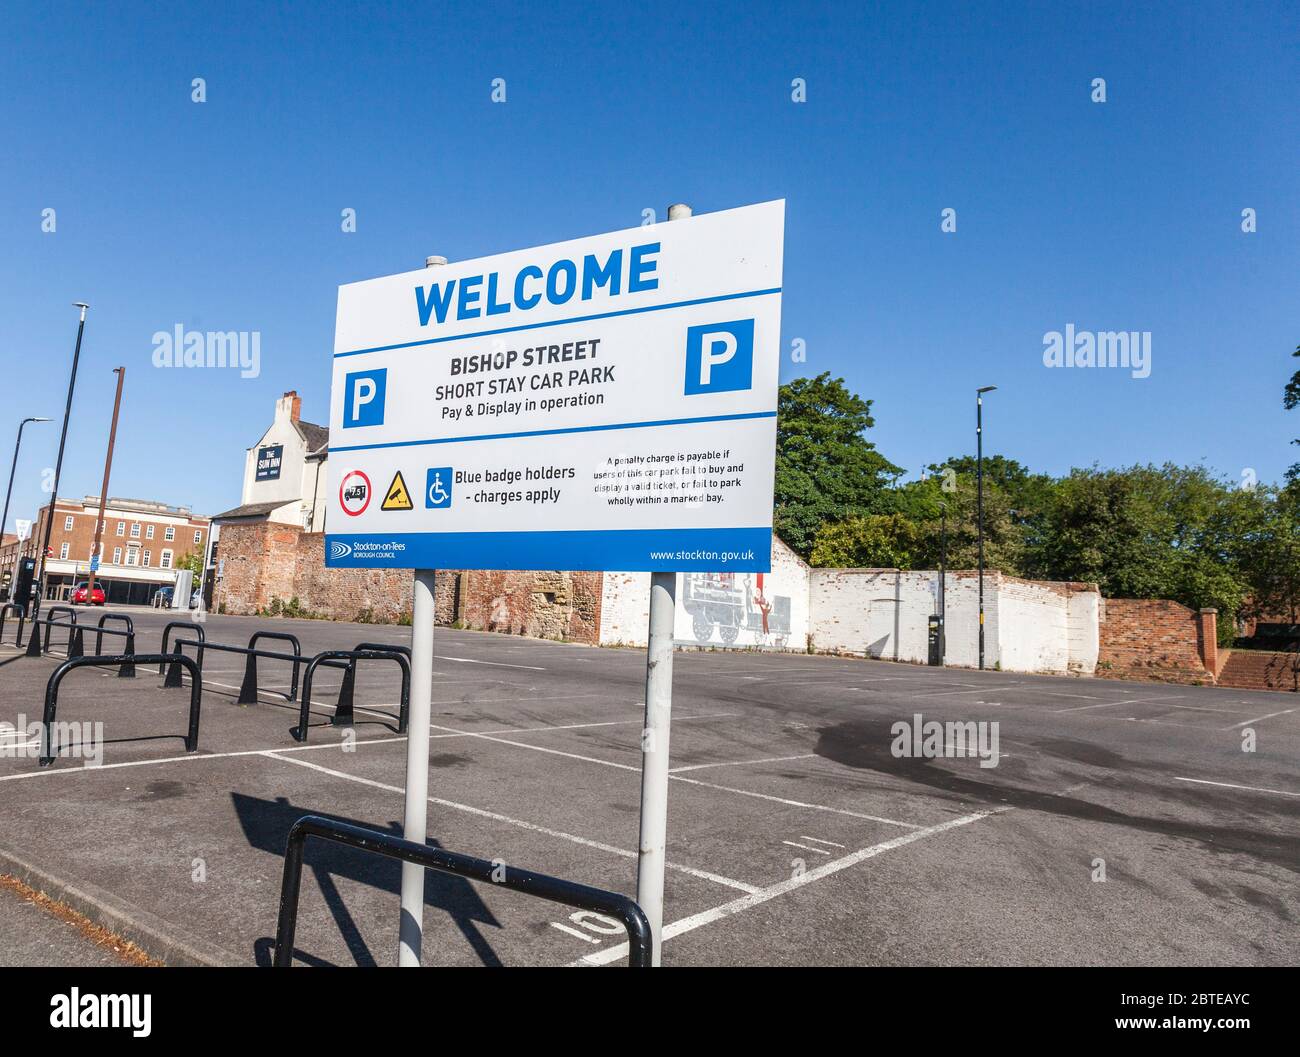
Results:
605 403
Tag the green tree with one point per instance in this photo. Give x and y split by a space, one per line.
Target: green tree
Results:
873 541
1028 493
826 469
945 505
1153 532
1025 497
954 530
1270 556
1291 395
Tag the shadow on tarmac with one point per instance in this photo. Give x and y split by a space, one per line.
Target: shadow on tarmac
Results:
266 825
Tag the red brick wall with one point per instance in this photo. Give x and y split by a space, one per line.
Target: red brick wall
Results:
545 605
260 561
1261 670
265 561
1150 639
380 596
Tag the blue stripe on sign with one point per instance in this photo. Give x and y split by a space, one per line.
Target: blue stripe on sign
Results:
560 322
739 550
552 432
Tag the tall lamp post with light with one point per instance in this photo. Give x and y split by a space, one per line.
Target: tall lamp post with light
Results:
58 465
4 519
979 500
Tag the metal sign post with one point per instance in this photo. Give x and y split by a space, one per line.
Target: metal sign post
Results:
415 821
652 843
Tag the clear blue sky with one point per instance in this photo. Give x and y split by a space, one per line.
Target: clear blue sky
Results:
226 215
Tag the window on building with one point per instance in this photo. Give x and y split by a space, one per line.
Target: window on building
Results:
170 534
135 530
67 523
117 555
63 551
147 558
198 535
165 562
121 528
133 556
148 532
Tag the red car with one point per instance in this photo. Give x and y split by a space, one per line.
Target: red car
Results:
79 596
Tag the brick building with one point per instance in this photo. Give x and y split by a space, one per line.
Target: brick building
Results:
9 550
140 546
284 483
284 472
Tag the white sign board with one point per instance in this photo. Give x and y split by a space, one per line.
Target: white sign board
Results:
24 529
605 403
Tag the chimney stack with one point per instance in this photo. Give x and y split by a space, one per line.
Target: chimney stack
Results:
295 404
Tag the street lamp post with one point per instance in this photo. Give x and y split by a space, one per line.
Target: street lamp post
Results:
58 465
943 582
4 520
103 490
979 500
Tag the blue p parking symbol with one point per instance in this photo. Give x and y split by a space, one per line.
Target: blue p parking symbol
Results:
363 398
437 488
720 357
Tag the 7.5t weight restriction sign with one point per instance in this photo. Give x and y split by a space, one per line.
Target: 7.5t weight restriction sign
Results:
354 493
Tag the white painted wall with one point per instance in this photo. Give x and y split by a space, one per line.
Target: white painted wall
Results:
875 612
624 609
1085 631
1028 626
315 476
1034 626
717 610
289 486
964 620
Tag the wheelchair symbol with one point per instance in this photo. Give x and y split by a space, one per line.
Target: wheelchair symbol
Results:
437 488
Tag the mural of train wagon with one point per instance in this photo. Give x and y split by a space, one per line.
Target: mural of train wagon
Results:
737 607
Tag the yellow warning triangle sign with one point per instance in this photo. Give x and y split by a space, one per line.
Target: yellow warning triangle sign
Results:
398 498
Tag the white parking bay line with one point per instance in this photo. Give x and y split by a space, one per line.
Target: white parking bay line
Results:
507 820
315 747
1110 704
741 763
574 932
1258 719
736 906
949 693
1060 693
1229 785
494 664
805 847
681 778
818 840
793 803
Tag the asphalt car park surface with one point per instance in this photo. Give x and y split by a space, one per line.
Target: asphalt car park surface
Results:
1122 824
